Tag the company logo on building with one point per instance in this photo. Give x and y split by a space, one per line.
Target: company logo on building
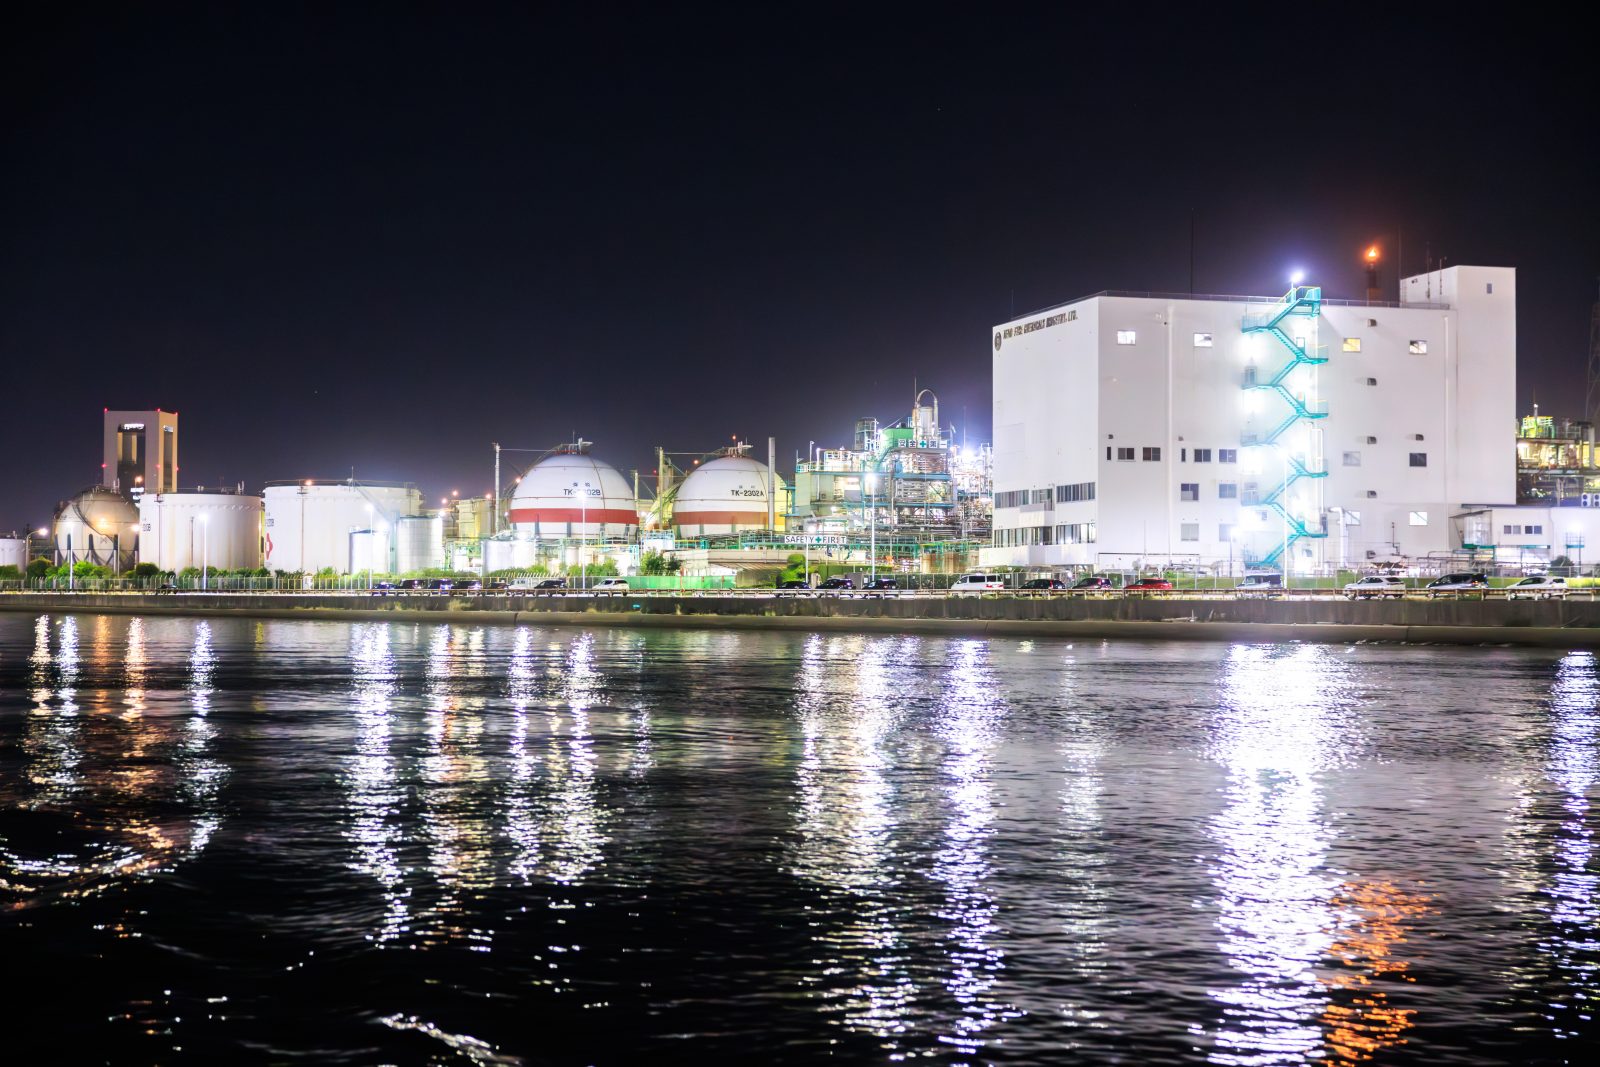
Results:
1036 324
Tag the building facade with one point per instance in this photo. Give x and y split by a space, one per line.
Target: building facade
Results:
1141 430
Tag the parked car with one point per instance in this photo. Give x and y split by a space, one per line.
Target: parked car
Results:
1093 584
882 583
1255 583
1457 583
1540 587
1043 586
548 585
838 583
462 585
611 586
978 583
794 587
1148 585
385 589
1375 585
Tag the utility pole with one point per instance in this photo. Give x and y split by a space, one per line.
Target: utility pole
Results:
494 522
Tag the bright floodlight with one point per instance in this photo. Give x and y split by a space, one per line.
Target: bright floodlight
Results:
1297 277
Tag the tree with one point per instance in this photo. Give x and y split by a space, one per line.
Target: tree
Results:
39 567
1561 567
145 571
10 573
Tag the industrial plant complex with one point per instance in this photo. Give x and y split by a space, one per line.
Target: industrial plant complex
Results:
1133 433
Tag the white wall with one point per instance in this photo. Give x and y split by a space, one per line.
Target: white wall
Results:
325 518
220 530
1066 392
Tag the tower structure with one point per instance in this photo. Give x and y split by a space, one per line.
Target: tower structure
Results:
140 452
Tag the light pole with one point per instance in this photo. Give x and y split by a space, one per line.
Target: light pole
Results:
872 525
583 521
205 551
372 546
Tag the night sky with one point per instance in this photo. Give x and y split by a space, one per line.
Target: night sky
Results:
383 241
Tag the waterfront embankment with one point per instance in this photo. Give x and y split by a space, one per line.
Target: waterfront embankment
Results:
1549 623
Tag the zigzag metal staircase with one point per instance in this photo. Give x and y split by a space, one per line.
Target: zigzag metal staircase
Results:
1302 301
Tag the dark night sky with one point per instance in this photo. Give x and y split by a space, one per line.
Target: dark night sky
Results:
384 241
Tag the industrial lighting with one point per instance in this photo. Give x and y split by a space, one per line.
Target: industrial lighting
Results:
1297 277
1372 254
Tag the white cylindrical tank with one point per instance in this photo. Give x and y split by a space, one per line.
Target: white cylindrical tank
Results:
342 526
572 494
726 495
194 528
14 552
97 525
419 543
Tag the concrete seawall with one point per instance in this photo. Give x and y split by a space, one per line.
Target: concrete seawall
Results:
1551 623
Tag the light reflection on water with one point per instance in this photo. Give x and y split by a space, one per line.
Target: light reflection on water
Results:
963 850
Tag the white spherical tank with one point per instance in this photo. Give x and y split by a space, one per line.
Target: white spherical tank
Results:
14 552
97 525
722 496
340 526
572 494
221 531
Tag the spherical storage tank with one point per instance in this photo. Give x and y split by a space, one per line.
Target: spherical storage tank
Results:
96 525
572 494
723 496
200 529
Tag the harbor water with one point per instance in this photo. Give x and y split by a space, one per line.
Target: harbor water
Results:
235 840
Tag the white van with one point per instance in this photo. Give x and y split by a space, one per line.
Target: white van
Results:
978 583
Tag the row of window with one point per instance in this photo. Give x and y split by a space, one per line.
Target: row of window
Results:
1061 494
1074 533
1520 531
1417 459
1190 491
1203 455
1204 340
1084 532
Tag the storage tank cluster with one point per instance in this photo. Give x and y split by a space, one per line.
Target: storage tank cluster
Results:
195 528
723 496
345 526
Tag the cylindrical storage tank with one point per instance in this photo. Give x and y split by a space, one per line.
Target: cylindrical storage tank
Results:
723 496
340 526
572 494
199 529
97 525
14 552
419 543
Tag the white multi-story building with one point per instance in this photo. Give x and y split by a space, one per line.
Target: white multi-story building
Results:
1144 429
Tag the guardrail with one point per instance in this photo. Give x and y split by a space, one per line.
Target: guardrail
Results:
1503 593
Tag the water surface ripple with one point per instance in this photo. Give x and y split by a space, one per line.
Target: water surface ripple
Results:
264 841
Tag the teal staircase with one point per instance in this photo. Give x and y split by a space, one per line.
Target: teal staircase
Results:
1304 302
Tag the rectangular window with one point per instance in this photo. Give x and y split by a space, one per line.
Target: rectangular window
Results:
1352 517
1227 490
1183 454
1152 455
1352 459
1067 494
1251 496
1372 440
1108 451
1124 455
1419 459
1416 437
1352 344
1488 287
1533 529
1189 531
1126 337
1372 381
1419 518
1513 531
1418 348
1202 455
1227 455
1202 340
1225 531
1189 491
